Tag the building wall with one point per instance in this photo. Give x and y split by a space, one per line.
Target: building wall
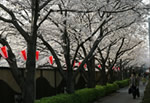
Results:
7 77
45 84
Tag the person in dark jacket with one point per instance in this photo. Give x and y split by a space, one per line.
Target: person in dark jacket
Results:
134 85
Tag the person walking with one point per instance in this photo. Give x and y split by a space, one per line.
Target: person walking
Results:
134 85
138 79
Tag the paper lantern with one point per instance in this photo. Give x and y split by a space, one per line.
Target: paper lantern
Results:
37 55
74 63
3 52
79 64
24 55
51 59
99 66
85 65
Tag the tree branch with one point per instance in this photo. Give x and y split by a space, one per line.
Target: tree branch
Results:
5 20
45 18
59 67
44 4
123 51
91 11
13 64
14 22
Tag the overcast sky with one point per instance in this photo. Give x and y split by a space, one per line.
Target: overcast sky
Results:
146 1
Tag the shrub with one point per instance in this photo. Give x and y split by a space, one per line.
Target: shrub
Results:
86 95
100 91
61 98
111 88
37 101
122 83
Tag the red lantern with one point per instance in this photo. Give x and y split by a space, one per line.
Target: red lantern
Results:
51 59
23 55
118 69
37 55
99 66
79 64
85 65
3 52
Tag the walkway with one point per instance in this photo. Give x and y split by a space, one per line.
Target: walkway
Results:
122 96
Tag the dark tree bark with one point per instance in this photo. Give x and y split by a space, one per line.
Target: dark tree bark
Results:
103 79
50 48
30 87
91 73
17 74
110 74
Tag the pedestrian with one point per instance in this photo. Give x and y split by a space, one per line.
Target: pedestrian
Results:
138 79
144 80
134 85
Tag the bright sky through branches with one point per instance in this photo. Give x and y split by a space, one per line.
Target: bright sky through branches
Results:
146 1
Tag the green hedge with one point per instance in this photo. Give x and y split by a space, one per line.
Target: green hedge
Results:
64 98
101 91
109 88
146 98
122 83
86 95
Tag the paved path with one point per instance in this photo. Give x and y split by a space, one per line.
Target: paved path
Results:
122 96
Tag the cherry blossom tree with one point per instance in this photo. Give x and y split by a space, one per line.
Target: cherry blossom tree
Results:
28 11
75 27
82 24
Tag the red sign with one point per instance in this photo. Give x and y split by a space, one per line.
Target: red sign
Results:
99 66
85 65
118 69
79 64
51 59
37 55
3 52
24 55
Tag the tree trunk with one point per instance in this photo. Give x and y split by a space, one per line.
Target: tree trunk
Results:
91 73
103 76
29 87
70 83
29 93
121 71
70 80
111 76
66 48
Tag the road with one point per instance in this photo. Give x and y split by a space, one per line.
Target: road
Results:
122 96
